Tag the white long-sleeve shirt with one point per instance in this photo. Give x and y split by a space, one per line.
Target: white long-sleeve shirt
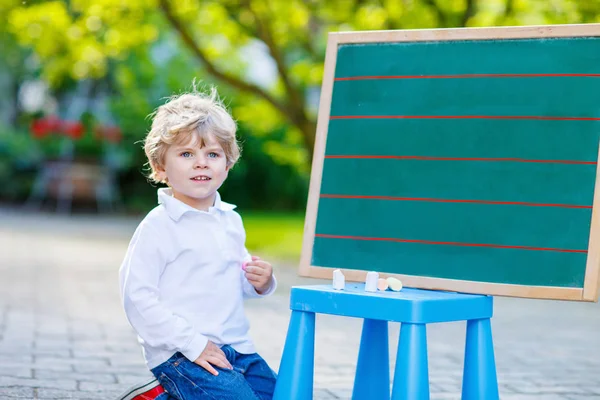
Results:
182 282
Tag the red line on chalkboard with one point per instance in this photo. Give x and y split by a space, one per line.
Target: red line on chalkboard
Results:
498 246
427 199
428 158
458 76
534 117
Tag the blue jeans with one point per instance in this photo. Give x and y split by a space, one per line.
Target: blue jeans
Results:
250 379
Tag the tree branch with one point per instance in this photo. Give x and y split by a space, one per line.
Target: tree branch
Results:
510 6
470 11
211 67
508 11
438 12
313 7
265 34
304 41
313 26
230 11
296 95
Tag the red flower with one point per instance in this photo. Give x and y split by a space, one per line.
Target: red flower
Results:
44 126
111 133
73 129
54 123
39 128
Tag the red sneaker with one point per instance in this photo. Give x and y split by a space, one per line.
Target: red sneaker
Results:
144 391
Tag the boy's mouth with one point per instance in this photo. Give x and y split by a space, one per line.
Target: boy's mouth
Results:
200 178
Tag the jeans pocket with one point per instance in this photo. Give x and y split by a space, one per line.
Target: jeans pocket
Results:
169 386
198 376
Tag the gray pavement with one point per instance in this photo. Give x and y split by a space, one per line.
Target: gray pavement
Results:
63 334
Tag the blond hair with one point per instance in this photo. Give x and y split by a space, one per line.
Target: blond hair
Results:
184 116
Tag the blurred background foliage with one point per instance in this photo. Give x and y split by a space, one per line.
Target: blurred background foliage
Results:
114 62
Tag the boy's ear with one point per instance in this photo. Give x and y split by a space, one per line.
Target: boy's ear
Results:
157 167
159 170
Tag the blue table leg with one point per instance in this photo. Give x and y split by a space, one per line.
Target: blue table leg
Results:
372 380
411 377
479 375
295 378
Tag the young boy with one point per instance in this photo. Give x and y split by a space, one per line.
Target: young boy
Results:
187 271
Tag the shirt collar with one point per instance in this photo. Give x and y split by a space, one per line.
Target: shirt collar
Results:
176 208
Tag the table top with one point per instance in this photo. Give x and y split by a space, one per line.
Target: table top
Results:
408 305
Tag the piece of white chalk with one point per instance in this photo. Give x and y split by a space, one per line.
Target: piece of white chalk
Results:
382 284
395 284
339 281
371 282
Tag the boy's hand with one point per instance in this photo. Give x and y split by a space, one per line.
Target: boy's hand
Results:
212 354
260 274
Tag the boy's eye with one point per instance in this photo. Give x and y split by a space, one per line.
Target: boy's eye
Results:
186 154
212 154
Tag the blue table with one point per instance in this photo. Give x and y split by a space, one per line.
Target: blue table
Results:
414 309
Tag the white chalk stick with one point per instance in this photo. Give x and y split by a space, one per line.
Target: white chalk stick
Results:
339 281
371 282
382 284
395 284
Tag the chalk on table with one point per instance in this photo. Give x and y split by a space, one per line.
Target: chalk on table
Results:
382 284
339 281
395 284
371 282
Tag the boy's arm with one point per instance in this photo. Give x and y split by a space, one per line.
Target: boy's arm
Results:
154 323
247 288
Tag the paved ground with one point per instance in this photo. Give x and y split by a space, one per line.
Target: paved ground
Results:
63 334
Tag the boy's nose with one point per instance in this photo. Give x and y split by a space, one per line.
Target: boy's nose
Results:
200 163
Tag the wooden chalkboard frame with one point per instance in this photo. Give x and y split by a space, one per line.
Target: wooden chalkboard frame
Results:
590 289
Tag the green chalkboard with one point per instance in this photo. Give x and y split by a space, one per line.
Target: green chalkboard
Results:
460 160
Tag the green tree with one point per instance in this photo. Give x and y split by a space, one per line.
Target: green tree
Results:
79 38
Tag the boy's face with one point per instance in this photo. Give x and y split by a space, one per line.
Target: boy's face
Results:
195 173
